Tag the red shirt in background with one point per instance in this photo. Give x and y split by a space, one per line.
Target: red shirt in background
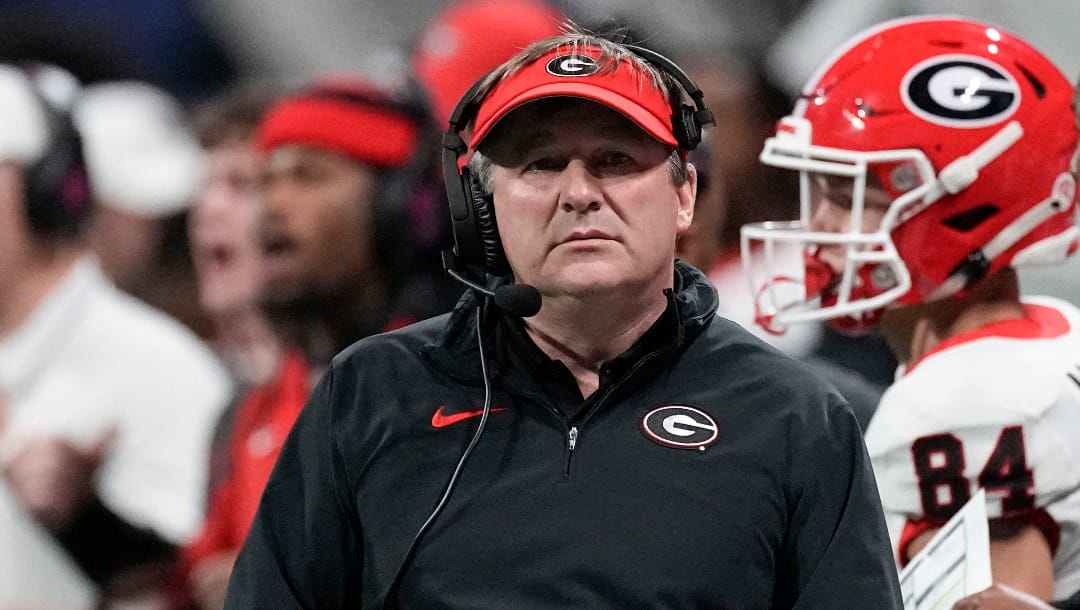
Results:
263 420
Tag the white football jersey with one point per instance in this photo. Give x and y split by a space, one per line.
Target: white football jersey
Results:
997 408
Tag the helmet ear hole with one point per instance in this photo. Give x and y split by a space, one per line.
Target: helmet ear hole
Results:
969 219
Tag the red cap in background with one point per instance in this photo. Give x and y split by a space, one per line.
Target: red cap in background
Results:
343 114
470 38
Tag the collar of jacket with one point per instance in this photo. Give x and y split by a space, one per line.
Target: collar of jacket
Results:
454 351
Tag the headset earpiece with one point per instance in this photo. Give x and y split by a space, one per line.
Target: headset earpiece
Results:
57 189
469 250
687 122
687 129
487 229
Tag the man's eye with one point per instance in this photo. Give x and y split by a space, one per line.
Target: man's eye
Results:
543 165
308 173
614 159
243 182
839 199
838 191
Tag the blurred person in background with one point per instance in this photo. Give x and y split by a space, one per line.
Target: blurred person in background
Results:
343 187
145 168
222 229
108 405
271 382
338 179
934 155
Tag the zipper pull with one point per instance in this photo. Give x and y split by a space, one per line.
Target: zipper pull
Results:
572 439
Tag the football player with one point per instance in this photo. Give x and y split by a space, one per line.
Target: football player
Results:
934 159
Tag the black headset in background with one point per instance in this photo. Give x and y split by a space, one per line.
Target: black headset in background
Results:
472 215
56 190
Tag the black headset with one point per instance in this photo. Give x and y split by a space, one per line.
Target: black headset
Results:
56 187
477 246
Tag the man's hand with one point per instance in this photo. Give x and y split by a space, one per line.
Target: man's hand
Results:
54 479
210 580
1001 597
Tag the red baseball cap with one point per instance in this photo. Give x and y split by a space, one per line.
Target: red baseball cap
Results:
579 72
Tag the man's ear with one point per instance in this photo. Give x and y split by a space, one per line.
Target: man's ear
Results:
687 195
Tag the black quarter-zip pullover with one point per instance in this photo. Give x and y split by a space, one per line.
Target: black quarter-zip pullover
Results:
707 471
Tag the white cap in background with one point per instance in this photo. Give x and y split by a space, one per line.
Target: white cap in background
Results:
141 154
24 131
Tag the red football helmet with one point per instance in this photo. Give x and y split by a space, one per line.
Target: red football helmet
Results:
969 131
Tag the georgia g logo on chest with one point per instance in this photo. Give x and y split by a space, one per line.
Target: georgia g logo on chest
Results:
680 426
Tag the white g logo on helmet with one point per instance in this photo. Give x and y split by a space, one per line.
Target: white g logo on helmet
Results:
962 91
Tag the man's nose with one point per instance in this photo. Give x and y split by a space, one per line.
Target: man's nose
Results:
579 189
828 217
213 202
277 195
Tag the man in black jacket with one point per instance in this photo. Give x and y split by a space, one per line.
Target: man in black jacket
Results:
637 451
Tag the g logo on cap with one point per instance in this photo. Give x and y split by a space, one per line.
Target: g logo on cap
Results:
960 91
572 65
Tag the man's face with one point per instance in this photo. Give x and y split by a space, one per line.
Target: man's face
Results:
584 199
316 230
222 228
831 212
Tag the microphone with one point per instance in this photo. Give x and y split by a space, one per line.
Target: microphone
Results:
520 300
